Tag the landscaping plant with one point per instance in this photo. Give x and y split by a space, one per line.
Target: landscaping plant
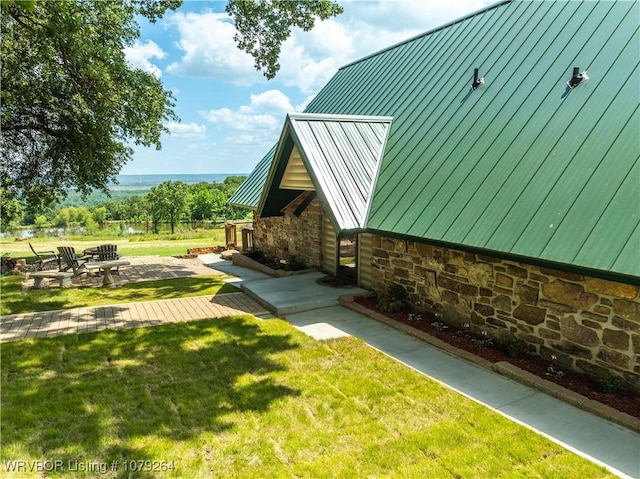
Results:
393 299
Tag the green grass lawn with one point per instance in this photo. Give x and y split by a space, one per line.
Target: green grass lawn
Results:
166 245
15 300
244 398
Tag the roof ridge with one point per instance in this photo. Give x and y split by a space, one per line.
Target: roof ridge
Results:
337 117
428 32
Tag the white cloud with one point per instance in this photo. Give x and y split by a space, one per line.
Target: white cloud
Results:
256 125
139 55
265 111
404 16
209 51
244 140
240 121
186 130
309 59
271 101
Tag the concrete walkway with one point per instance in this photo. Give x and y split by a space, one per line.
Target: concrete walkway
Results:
306 306
313 309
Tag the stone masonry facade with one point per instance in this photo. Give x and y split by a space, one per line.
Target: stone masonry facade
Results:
578 322
300 236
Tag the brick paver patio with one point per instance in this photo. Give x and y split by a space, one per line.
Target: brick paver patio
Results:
130 315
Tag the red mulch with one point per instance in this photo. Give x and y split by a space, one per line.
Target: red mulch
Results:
625 401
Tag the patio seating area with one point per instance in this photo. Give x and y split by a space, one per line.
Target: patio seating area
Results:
140 268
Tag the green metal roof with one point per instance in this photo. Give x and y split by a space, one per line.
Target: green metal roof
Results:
248 193
341 154
523 166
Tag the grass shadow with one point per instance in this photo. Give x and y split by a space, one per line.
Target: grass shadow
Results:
72 397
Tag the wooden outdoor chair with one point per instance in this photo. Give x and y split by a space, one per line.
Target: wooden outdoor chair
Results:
69 260
108 252
45 260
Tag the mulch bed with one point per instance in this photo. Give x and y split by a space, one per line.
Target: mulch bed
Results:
207 250
624 401
194 252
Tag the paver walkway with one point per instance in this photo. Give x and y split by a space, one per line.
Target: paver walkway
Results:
128 315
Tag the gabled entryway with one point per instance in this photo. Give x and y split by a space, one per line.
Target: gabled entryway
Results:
334 158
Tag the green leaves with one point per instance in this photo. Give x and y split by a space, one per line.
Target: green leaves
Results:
263 25
167 201
70 104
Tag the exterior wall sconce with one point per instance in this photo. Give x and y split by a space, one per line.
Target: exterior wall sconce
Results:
477 81
577 78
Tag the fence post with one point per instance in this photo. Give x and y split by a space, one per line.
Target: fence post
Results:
230 235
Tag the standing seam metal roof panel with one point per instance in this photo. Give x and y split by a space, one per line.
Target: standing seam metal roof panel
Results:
423 105
342 155
516 133
488 169
456 130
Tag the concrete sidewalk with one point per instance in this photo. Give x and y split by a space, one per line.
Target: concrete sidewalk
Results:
601 441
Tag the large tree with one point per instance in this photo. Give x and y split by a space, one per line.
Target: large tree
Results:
71 104
167 201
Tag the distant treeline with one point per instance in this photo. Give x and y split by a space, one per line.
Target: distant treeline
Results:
171 202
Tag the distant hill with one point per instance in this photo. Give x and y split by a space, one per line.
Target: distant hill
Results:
141 182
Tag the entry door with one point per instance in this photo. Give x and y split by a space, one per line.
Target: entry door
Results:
348 258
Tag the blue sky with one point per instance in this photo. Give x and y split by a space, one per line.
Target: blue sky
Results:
230 115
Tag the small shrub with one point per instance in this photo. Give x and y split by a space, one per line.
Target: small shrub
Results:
485 341
607 382
515 346
553 372
439 325
294 263
393 299
464 331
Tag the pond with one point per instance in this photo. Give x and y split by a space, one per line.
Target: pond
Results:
31 232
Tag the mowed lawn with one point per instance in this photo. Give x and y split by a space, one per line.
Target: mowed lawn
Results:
247 398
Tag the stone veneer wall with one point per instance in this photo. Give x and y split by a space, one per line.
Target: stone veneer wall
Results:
584 322
300 236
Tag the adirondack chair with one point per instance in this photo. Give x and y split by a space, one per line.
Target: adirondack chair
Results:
69 260
108 252
45 259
